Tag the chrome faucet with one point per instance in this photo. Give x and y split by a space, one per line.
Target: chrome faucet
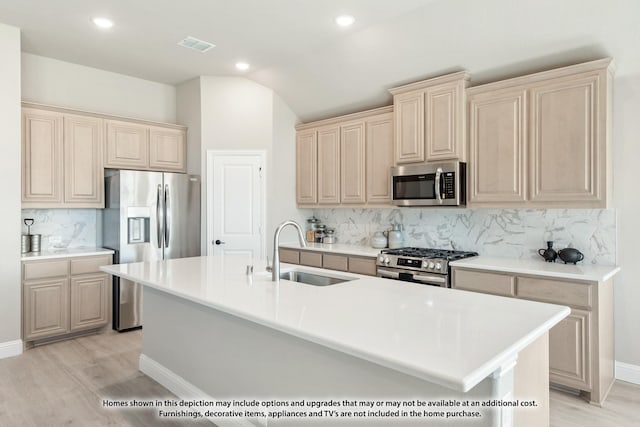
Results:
275 269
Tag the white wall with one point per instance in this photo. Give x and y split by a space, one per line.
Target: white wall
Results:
10 175
626 151
50 81
188 114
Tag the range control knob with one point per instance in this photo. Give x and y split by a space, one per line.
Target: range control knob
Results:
381 258
431 265
438 266
387 260
425 264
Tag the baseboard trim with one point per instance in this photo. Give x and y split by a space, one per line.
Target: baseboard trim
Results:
184 389
10 348
628 372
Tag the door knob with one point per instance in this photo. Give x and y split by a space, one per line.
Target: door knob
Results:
219 242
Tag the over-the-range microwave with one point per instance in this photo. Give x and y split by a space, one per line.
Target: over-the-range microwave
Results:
442 184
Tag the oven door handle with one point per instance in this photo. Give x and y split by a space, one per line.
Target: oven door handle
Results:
430 279
388 273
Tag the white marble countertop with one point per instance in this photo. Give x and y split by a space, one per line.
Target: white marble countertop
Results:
337 248
65 253
449 337
559 270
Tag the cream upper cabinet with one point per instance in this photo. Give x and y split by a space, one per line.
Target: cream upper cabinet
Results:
352 162
329 165
541 140
307 167
345 161
167 149
430 120
445 121
379 158
497 146
83 166
568 139
42 158
127 145
409 132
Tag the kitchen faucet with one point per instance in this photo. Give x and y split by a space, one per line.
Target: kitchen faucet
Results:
275 269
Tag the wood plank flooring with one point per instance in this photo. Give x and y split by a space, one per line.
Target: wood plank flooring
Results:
63 384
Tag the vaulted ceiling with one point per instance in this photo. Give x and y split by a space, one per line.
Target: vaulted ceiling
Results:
318 68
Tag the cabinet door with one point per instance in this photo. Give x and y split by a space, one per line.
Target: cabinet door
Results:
306 167
89 301
83 166
569 351
379 158
42 158
167 148
46 308
329 165
497 147
444 125
409 125
127 145
568 138
352 162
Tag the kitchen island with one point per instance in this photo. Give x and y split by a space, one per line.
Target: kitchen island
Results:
212 330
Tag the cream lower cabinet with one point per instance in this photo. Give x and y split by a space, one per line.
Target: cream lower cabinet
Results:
63 296
542 140
332 261
581 345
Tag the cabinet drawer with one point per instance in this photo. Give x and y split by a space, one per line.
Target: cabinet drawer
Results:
89 264
312 259
555 291
335 262
290 256
362 265
43 269
490 283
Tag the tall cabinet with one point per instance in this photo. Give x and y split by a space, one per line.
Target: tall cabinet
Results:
541 140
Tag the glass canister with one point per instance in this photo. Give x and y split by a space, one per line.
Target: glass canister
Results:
312 225
320 228
329 236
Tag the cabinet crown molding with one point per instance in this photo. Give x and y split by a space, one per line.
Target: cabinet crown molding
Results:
347 117
599 64
423 84
65 110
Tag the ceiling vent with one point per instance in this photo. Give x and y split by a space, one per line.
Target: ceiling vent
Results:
196 44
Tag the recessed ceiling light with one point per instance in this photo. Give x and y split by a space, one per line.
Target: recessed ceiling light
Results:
345 20
103 22
242 66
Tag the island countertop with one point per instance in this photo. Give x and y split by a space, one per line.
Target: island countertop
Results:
449 337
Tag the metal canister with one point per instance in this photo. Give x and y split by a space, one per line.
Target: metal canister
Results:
35 242
329 236
26 244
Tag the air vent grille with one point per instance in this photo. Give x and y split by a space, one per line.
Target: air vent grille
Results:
196 44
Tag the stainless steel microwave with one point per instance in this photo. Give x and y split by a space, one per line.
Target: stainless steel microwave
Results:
442 184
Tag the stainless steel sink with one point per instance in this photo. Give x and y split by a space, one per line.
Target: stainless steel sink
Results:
313 279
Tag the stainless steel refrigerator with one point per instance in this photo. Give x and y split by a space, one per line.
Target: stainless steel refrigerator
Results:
148 216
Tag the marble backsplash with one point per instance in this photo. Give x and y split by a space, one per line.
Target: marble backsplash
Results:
509 233
63 228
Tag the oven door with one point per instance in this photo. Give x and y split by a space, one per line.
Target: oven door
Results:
414 276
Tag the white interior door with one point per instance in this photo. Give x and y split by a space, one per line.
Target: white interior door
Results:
236 204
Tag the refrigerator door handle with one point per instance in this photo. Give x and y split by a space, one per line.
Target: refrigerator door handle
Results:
158 222
167 215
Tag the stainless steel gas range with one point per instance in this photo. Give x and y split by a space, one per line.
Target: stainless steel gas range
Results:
420 265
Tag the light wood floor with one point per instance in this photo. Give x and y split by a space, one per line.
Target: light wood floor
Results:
63 384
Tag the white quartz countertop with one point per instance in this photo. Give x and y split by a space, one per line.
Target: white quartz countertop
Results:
337 248
556 269
65 253
446 336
